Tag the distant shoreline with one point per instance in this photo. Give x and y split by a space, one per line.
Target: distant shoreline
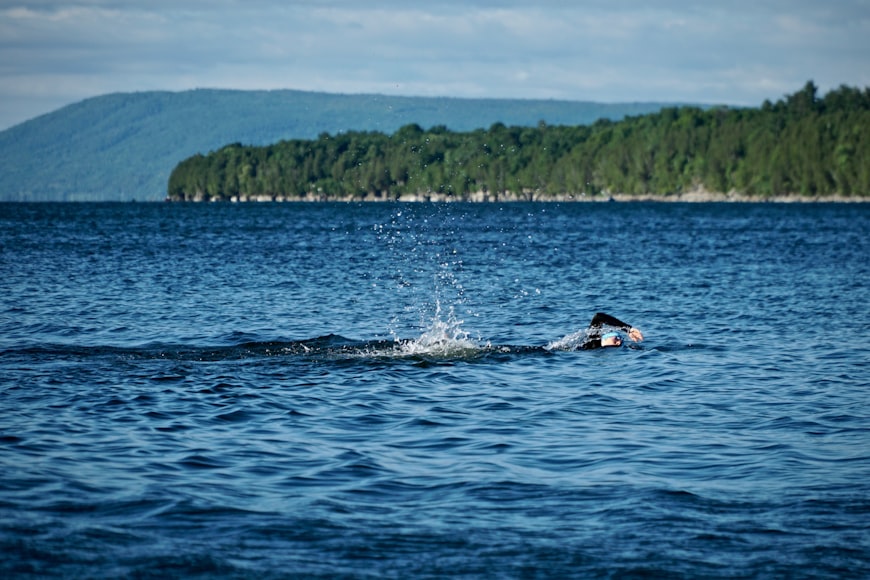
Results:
700 196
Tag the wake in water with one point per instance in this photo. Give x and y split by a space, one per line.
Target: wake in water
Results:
443 338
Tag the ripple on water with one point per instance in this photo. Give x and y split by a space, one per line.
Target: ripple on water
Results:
290 388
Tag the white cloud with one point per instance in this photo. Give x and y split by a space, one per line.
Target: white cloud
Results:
738 52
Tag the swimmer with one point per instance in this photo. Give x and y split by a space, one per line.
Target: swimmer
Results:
595 339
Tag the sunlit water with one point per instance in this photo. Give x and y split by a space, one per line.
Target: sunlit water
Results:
395 390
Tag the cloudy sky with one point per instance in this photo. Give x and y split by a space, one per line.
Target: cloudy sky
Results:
55 52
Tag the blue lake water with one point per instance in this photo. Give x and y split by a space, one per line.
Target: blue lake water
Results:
340 390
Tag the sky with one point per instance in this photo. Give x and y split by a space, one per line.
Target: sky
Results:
736 52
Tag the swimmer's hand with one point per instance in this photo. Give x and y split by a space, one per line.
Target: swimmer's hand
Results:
635 334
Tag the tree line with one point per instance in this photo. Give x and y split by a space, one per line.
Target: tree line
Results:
802 144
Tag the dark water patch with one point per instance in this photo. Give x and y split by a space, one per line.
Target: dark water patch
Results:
198 461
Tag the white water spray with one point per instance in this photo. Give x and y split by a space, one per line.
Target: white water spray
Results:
444 337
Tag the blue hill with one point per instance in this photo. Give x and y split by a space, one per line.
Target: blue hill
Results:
123 146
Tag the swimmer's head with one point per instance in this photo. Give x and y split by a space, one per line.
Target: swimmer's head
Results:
611 339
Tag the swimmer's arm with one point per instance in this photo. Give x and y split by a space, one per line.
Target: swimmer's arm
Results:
600 319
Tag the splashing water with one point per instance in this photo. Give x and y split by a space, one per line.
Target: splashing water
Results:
569 342
443 337
427 264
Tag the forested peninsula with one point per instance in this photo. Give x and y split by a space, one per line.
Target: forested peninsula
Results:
802 145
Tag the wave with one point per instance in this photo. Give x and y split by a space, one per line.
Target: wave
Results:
331 346
443 340
430 346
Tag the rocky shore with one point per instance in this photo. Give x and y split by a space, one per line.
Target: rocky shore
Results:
698 195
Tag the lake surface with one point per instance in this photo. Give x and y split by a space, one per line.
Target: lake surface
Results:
340 390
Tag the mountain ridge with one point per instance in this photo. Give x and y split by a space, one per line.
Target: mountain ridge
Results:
123 146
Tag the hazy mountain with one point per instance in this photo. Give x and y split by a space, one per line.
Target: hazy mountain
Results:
123 146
